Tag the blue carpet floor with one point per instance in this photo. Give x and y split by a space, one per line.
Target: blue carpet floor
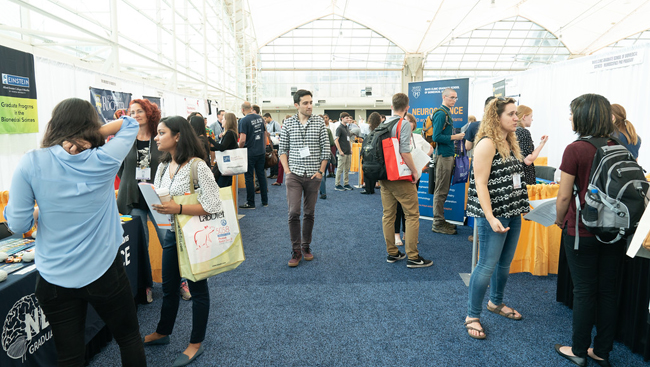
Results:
349 307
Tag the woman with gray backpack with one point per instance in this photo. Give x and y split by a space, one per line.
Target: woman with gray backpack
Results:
593 234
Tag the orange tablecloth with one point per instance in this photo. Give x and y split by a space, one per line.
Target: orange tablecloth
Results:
356 150
539 247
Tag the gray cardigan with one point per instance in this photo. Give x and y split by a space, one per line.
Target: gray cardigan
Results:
129 193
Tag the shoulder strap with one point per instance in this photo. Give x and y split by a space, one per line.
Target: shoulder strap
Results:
194 175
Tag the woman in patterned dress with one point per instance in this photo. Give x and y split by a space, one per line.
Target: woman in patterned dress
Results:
528 150
497 197
181 146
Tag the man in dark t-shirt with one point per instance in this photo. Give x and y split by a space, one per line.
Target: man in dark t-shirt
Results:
252 135
342 141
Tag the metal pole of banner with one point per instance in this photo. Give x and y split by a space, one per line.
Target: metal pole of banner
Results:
475 246
359 181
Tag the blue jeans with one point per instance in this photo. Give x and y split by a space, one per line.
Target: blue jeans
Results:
256 164
143 213
111 297
496 253
323 190
171 294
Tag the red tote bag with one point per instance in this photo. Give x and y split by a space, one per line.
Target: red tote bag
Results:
396 168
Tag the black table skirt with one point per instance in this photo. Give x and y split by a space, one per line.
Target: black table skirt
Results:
633 328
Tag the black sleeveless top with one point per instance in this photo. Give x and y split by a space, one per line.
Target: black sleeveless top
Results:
505 199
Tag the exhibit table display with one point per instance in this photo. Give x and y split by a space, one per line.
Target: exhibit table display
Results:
26 335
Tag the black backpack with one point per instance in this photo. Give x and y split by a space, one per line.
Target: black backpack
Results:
372 152
617 193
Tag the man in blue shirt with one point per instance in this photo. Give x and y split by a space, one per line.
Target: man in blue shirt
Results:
472 130
443 136
252 135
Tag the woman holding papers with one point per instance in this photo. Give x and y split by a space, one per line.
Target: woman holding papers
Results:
140 166
79 232
594 266
496 197
228 141
181 145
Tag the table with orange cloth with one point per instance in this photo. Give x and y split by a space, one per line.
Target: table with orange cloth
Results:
538 248
356 152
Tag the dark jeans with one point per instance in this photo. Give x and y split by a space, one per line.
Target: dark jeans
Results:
256 164
594 271
224 181
111 297
332 164
171 294
296 186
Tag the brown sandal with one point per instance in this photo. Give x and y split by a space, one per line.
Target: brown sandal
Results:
512 315
470 328
276 184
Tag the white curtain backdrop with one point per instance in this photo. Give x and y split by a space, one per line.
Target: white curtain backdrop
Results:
57 81
549 91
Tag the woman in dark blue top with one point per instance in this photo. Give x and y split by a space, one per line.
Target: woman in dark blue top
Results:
625 131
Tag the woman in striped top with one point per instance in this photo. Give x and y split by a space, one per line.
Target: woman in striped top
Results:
496 197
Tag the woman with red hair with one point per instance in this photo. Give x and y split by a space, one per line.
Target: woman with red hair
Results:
140 166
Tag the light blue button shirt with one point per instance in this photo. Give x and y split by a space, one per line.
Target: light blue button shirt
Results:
79 230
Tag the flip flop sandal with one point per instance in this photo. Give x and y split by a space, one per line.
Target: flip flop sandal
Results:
499 311
470 328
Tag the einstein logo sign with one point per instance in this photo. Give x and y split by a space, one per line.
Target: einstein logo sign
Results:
25 329
415 91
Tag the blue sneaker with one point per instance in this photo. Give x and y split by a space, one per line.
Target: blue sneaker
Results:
339 188
348 187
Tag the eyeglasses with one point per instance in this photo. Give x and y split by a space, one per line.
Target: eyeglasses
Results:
454 98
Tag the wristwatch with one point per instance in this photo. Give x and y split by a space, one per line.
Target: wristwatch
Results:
321 173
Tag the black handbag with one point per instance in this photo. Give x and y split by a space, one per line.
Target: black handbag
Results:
432 175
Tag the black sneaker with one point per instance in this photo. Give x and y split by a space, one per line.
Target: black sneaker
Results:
247 206
339 188
265 205
348 187
392 258
323 196
418 263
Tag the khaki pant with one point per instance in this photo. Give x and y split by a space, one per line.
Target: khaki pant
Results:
444 170
406 194
343 168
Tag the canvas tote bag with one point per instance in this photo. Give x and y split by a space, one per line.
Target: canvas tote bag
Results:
207 244
232 162
396 168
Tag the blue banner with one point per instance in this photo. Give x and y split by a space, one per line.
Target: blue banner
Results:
424 97
106 102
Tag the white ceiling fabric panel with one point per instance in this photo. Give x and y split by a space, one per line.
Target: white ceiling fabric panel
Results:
419 26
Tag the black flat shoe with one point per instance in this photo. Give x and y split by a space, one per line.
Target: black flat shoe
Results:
601 362
162 341
582 362
364 192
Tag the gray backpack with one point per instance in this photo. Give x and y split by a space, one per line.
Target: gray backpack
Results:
617 193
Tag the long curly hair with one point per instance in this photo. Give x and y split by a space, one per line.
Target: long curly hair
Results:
491 129
153 114
623 125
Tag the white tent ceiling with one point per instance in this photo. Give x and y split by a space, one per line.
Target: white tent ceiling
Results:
419 26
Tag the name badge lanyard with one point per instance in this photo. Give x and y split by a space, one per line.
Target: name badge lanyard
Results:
172 179
304 150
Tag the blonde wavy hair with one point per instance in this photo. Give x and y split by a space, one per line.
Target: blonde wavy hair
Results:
491 129
521 112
